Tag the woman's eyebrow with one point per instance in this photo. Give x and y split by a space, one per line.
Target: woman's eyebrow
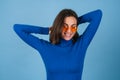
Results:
65 24
72 24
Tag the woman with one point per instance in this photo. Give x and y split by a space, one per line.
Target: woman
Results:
64 55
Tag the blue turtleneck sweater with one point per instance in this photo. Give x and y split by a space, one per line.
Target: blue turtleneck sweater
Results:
65 60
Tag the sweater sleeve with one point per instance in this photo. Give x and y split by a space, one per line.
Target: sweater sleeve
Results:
94 19
24 32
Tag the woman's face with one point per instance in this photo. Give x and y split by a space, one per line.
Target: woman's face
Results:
69 28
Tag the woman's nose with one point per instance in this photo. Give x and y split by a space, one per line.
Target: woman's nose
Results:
68 29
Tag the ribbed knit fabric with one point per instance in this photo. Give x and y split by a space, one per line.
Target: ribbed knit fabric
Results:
65 60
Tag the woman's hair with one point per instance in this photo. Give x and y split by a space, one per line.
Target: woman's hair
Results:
56 29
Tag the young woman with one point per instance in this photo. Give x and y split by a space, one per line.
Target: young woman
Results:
64 55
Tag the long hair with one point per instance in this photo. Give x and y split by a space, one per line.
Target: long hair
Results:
56 29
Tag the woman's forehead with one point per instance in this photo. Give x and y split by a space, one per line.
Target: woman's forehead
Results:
70 20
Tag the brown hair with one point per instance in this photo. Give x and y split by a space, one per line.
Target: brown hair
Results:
56 29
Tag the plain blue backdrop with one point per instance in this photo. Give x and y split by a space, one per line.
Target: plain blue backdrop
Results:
18 61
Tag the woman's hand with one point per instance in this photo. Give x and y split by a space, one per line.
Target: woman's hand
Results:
50 30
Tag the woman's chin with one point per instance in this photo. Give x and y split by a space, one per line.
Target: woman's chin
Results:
67 38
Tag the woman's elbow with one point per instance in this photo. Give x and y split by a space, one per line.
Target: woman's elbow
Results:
16 27
99 13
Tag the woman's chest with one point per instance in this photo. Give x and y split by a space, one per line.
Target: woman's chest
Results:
63 60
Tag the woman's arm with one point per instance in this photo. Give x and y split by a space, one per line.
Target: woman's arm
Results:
24 32
94 19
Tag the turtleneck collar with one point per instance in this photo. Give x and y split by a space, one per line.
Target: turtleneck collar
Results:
65 43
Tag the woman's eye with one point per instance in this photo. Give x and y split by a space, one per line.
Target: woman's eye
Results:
65 26
74 27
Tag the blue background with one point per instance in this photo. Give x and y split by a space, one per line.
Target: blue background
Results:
18 61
